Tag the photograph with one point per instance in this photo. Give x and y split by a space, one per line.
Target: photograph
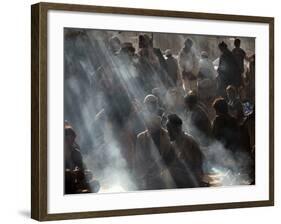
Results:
156 111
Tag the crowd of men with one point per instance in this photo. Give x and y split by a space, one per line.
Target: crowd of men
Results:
162 110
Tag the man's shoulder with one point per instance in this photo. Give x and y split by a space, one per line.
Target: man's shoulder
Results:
190 140
76 153
142 134
145 133
164 131
238 51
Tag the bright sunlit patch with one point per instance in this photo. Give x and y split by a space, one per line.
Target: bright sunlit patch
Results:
112 189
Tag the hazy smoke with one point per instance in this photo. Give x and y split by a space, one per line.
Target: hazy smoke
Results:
86 52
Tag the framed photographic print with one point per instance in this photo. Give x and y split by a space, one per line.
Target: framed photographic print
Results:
139 111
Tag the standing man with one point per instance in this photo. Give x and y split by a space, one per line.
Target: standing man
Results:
228 70
189 65
172 69
239 55
153 150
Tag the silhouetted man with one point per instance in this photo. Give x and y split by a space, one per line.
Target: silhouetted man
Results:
75 180
187 166
172 69
239 55
198 123
225 128
228 69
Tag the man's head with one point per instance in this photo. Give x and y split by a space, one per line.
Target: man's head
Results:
237 42
222 46
151 104
188 44
151 119
220 106
174 126
145 41
231 92
114 44
190 100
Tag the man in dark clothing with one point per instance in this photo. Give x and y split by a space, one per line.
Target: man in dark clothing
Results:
228 69
239 55
234 139
75 179
186 169
197 120
172 69
225 128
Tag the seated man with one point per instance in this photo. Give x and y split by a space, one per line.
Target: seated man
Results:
75 178
186 168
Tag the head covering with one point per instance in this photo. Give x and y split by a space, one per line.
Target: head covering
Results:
150 99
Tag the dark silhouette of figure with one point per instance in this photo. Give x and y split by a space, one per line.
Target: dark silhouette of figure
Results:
250 76
197 119
172 69
225 128
186 169
239 55
228 70
248 129
75 179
